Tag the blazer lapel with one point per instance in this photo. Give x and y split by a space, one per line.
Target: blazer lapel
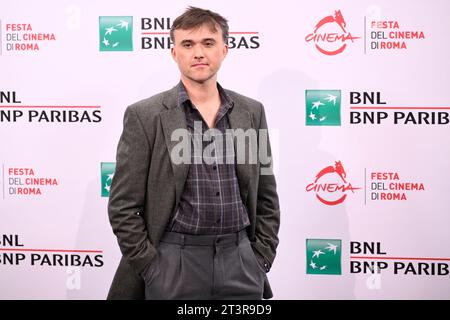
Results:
240 119
172 119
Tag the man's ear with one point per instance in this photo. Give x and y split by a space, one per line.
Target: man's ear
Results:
174 54
225 50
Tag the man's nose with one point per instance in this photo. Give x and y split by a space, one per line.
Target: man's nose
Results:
198 52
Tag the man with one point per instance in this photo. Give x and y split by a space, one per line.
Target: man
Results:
205 228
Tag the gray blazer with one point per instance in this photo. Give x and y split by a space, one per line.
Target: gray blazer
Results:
147 186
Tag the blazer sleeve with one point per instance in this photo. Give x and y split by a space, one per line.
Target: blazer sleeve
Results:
267 209
128 191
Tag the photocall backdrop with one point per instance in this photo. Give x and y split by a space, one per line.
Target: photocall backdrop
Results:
356 97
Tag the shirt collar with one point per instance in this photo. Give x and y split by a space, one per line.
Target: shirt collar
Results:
183 96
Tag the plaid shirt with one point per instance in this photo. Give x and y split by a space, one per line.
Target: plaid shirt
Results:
211 202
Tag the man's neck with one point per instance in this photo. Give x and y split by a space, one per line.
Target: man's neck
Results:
201 93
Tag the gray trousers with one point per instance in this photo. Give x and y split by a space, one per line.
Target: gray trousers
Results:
204 267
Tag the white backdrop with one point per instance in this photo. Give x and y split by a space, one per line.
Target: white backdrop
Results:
64 216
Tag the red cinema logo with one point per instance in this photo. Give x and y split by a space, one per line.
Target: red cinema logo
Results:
331 186
330 34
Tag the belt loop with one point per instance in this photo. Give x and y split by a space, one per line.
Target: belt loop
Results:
182 241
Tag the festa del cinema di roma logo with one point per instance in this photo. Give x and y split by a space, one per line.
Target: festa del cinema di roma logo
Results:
330 34
330 185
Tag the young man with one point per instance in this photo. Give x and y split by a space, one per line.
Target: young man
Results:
206 227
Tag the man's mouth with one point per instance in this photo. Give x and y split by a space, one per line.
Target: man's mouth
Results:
199 65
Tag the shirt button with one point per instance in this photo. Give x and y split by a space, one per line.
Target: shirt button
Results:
214 167
217 193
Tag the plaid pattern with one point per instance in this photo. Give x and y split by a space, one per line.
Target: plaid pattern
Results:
211 202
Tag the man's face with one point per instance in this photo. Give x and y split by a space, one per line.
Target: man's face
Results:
199 53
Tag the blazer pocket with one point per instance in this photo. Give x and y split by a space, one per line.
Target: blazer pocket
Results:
152 270
258 260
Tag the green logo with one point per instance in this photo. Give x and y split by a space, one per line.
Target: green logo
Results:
116 33
323 107
323 256
107 172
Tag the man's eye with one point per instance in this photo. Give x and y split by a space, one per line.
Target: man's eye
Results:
209 43
187 45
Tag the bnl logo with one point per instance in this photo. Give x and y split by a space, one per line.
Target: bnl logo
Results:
107 174
116 33
323 107
323 256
